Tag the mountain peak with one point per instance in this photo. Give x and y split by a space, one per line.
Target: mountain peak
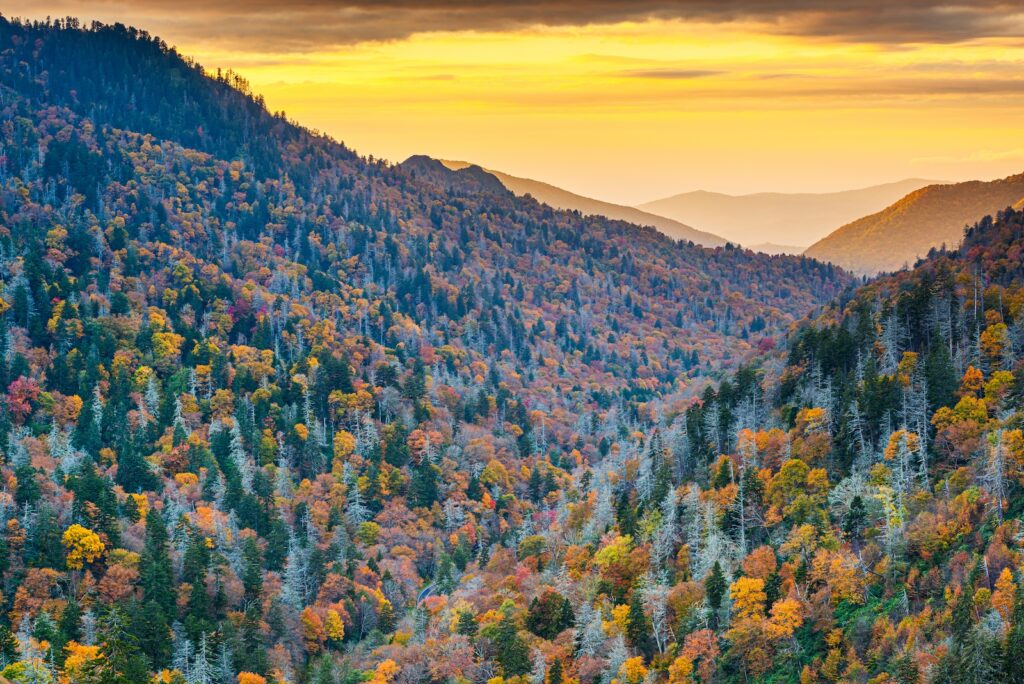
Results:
778 217
559 198
929 217
468 179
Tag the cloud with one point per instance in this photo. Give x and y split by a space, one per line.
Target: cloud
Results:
304 25
672 74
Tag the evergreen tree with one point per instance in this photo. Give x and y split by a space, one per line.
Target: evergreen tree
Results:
155 571
252 574
513 654
466 624
27 490
549 614
9 650
714 589
150 629
941 377
638 627
855 520
555 675
121 662
423 485
133 471
194 572
1014 663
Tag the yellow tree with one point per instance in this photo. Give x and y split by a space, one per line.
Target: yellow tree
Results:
334 626
680 671
1002 597
250 678
82 545
748 597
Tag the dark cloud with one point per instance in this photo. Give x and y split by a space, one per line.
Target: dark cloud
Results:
672 74
313 24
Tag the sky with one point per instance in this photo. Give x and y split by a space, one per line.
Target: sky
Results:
629 100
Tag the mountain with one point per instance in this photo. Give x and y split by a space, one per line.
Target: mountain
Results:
563 199
772 248
274 412
467 180
865 466
927 218
780 218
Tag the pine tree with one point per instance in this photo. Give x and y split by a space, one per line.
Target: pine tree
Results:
466 625
194 572
8 646
714 589
513 654
70 626
252 573
121 662
423 486
941 377
155 566
555 675
153 634
1014 663
855 520
133 471
638 627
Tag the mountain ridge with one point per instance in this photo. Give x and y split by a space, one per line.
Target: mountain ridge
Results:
924 219
274 413
560 198
780 218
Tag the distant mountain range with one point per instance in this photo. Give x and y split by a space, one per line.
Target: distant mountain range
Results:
779 218
772 248
563 199
926 218
867 231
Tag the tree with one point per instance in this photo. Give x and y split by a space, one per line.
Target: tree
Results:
549 614
467 624
1014 664
27 490
680 671
250 678
148 625
714 588
133 471
638 627
155 571
83 546
119 661
748 597
513 653
855 520
555 672
252 574
423 485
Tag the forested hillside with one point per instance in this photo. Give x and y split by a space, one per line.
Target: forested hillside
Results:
925 219
274 412
779 217
563 199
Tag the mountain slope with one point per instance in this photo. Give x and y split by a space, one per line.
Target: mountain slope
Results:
780 218
275 410
772 248
872 479
466 180
930 217
563 199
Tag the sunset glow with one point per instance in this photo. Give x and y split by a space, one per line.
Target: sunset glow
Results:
634 110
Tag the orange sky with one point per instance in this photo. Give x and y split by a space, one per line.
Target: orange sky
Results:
631 110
